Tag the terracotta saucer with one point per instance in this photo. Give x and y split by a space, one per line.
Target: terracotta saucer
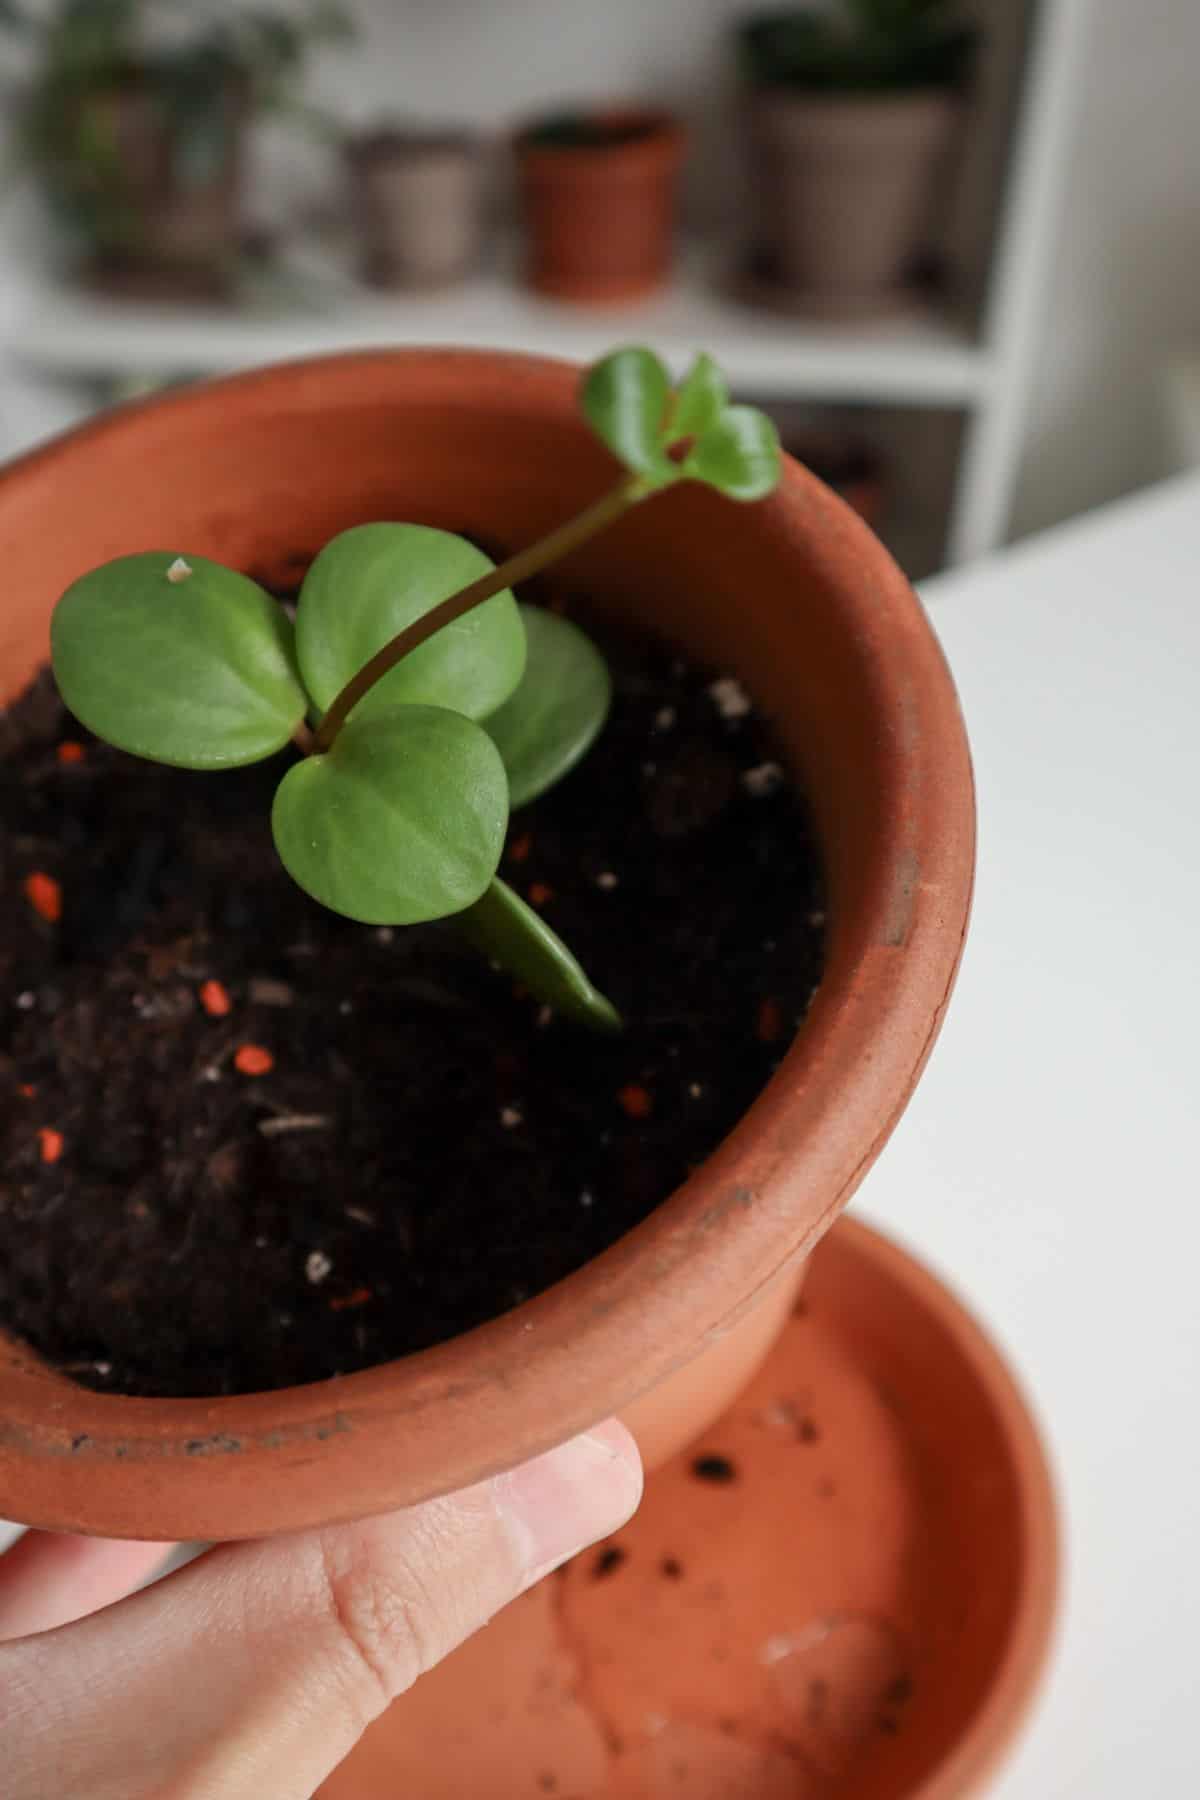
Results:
845 1589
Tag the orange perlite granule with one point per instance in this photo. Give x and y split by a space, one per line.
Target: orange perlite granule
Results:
253 1059
214 998
357 1297
44 895
636 1101
51 1143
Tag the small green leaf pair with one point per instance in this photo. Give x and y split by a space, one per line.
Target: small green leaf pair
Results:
665 435
403 818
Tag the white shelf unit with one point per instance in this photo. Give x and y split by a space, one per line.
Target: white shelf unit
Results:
920 361
978 368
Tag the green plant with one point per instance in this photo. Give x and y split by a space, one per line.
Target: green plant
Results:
860 46
425 700
197 73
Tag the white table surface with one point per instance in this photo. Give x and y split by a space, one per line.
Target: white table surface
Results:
1048 1164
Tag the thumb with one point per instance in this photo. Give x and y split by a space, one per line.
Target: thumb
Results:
255 1669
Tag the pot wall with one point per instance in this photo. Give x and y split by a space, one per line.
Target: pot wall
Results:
846 189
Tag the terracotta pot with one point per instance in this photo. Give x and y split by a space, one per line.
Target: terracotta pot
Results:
181 231
845 191
417 202
794 595
600 217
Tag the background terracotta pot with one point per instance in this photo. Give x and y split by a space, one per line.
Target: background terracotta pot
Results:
600 216
416 197
796 597
845 192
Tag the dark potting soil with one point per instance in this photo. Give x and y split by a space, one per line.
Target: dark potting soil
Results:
245 1143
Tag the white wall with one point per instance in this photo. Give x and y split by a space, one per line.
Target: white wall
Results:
1126 282
491 60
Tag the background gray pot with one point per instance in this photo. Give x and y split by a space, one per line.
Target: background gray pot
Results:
845 191
417 201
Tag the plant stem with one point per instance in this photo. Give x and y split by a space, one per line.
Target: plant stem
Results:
539 556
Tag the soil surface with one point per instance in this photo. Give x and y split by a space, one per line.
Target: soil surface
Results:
245 1143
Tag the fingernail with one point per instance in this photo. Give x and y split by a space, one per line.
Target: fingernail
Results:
559 1503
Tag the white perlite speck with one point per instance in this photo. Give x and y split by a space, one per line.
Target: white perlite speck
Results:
178 571
544 1016
606 880
762 780
664 718
729 697
586 1198
511 1117
695 1089
317 1266
26 1001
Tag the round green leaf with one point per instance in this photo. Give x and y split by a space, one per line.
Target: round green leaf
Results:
624 399
739 455
179 660
557 710
402 820
700 400
368 583
505 929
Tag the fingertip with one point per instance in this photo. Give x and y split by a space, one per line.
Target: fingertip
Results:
559 1503
49 1579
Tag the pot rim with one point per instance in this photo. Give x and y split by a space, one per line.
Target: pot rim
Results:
759 1203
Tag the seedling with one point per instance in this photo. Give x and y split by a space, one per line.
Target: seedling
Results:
425 700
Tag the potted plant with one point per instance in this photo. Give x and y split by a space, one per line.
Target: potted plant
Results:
286 468
598 192
851 117
416 198
135 128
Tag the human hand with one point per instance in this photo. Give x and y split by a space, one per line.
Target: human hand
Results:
255 1669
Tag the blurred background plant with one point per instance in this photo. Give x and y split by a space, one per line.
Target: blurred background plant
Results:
854 115
860 46
134 121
